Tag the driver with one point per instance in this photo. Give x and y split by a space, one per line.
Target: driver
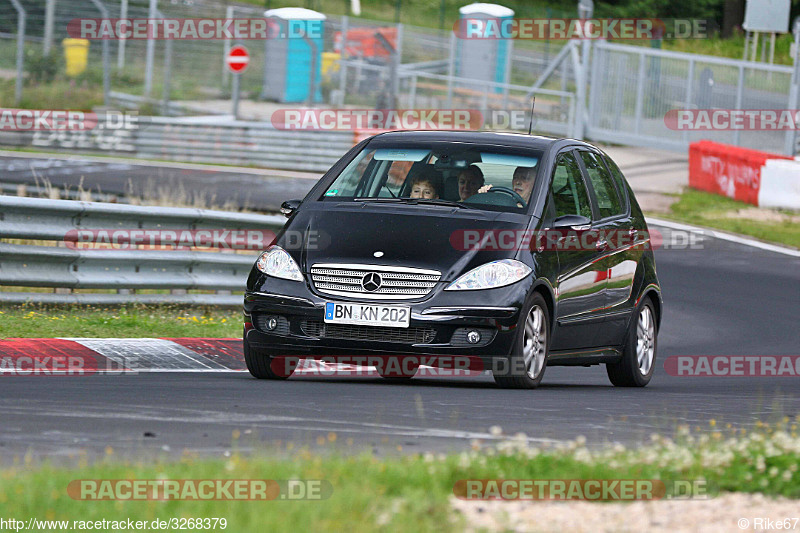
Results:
522 183
469 181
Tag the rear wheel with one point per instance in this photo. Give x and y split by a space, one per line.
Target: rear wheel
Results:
528 360
260 364
637 365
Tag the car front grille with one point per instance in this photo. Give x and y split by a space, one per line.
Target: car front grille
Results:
318 328
393 283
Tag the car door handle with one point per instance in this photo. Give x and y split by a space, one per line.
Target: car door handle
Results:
602 245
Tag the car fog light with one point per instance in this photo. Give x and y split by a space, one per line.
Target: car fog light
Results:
473 337
272 323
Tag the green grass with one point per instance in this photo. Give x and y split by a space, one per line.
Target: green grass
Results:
409 493
127 321
712 210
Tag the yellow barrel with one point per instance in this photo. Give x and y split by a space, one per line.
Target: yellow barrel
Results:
76 53
330 63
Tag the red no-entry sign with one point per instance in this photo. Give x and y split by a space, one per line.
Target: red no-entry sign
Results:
237 59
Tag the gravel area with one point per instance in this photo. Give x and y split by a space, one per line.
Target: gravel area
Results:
720 514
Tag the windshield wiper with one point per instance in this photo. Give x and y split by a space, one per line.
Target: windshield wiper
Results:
415 201
439 201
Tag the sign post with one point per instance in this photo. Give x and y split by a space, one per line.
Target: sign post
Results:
237 60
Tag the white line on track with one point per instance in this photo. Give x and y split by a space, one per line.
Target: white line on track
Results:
738 239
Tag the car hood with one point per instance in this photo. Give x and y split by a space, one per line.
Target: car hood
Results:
416 236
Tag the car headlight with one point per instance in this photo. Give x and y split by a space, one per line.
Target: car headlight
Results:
277 263
491 275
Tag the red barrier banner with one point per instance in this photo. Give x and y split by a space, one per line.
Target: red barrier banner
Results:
727 170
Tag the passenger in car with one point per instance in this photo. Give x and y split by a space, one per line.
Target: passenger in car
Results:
427 183
469 181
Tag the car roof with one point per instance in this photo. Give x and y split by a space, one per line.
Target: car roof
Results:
520 140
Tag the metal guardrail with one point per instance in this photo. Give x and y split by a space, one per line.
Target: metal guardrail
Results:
62 267
232 143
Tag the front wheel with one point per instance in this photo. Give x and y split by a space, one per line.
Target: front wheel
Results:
260 364
637 365
528 360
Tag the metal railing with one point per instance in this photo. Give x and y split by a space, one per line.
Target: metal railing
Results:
64 267
213 141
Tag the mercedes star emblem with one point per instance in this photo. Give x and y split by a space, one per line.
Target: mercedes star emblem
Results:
371 282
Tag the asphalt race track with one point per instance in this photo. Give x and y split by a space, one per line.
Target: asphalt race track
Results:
258 190
723 299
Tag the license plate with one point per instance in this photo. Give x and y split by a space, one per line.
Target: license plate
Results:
393 316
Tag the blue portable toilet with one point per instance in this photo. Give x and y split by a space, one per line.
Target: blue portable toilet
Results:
293 55
486 59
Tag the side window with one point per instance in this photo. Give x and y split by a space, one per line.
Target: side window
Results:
608 201
619 179
569 191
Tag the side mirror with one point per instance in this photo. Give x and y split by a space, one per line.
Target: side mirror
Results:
572 222
289 207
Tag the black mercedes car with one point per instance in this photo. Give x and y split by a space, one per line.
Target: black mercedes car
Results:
516 251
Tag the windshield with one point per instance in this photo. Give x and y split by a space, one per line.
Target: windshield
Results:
450 174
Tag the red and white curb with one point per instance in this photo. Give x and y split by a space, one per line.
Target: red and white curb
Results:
80 356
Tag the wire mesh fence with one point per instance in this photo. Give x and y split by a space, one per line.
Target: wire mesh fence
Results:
623 96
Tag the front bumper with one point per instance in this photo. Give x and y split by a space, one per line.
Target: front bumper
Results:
438 324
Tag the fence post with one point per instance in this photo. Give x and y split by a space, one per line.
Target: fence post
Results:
739 96
150 53
396 60
639 95
790 145
20 50
226 47
49 15
343 62
123 14
167 77
689 95
451 69
106 67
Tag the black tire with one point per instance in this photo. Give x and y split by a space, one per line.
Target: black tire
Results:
259 363
630 370
516 374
